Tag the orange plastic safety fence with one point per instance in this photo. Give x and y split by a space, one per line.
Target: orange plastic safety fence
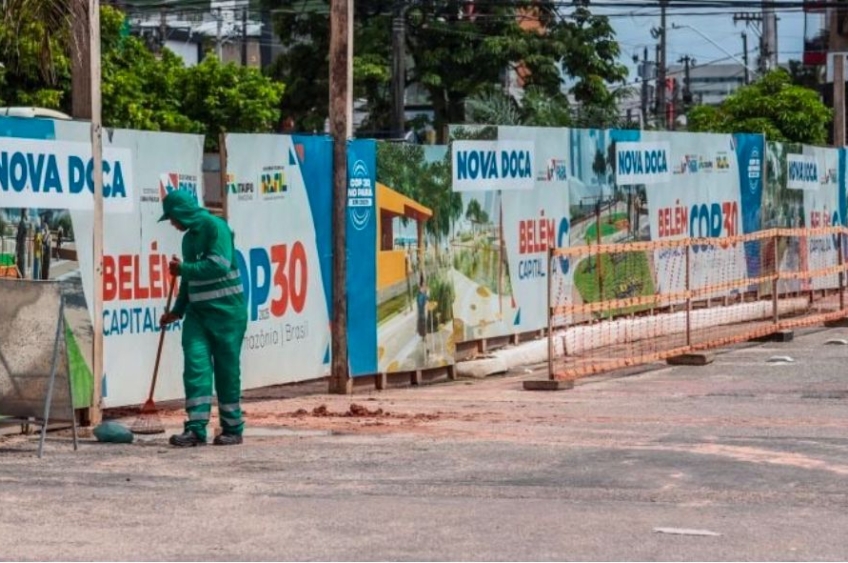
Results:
619 305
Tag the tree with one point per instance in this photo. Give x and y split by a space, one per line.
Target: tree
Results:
139 89
772 106
34 36
458 49
805 75
227 97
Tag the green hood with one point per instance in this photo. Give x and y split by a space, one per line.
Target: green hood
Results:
181 206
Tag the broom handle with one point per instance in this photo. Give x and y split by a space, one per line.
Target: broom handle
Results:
161 340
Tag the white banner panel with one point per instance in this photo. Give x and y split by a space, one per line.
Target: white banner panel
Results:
288 333
59 175
136 252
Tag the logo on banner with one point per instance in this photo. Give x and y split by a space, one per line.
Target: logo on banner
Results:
555 171
360 195
272 183
802 172
754 170
642 163
173 181
151 195
689 164
722 161
243 191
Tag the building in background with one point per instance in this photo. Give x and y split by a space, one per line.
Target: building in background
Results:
191 28
709 84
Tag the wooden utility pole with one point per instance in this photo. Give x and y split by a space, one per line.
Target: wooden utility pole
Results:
398 72
97 242
80 61
341 118
745 56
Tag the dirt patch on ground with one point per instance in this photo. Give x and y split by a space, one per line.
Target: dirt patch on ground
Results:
358 411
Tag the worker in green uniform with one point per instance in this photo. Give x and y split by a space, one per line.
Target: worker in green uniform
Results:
211 303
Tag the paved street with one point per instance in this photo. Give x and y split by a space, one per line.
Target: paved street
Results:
744 459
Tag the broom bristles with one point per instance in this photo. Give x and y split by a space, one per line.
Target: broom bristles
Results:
148 421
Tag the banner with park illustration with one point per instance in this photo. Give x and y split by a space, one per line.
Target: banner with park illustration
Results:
592 187
805 188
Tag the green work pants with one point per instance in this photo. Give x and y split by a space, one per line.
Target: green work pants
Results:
212 347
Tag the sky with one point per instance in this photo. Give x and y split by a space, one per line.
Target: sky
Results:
633 31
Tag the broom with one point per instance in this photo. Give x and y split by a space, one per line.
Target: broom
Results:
148 421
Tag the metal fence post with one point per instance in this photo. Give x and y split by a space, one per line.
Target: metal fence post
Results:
688 248
776 272
550 315
841 262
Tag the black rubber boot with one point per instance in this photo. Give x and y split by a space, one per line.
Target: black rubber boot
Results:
187 439
227 439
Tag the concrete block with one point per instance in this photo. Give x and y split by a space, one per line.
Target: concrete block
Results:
451 372
547 385
693 359
837 323
779 336
415 377
479 369
380 381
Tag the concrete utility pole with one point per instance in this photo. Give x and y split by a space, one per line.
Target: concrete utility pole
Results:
645 76
661 88
244 37
398 71
755 21
219 50
769 20
341 118
163 28
745 56
838 46
839 100
687 83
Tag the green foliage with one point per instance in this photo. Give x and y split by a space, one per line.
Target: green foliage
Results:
229 98
773 106
443 293
455 55
139 89
33 37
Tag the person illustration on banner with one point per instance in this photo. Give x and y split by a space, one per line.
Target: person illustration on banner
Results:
20 245
421 301
36 254
60 234
408 267
212 305
46 251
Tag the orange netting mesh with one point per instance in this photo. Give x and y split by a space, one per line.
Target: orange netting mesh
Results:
619 305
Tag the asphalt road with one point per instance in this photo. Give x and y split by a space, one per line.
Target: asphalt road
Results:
745 459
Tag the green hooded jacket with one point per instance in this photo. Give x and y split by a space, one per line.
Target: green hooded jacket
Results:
210 283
